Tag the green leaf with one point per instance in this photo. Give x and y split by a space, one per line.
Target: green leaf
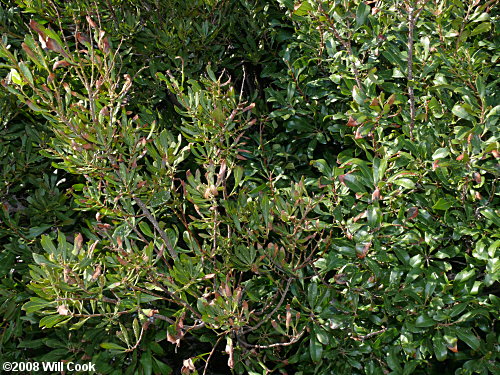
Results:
146 362
16 77
361 13
26 72
162 368
146 229
468 337
440 348
315 349
357 95
481 28
48 245
460 111
424 321
302 9
51 320
440 153
112 346
444 204
36 304
36 231
405 182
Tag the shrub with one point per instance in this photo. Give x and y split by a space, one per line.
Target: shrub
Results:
293 187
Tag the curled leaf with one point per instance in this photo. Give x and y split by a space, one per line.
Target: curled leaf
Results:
60 63
352 122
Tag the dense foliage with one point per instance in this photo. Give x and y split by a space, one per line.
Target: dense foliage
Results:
250 187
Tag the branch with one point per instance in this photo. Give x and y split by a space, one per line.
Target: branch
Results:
153 221
268 316
291 342
367 336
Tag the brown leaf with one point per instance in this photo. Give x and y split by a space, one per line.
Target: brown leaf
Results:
91 22
35 26
435 165
53 45
358 135
477 177
28 51
391 100
97 272
352 122
188 366
376 194
82 38
412 213
230 351
78 241
104 45
59 63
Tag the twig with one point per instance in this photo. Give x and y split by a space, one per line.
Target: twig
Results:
266 318
347 45
153 221
367 336
211 353
291 342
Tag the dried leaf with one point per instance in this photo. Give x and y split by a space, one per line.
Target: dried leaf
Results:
352 122
60 63
63 310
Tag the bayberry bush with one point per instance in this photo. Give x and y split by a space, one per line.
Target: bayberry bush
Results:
250 187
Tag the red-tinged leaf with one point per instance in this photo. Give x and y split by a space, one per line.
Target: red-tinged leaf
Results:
251 106
342 178
60 63
391 100
28 51
469 138
478 196
51 77
121 261
352 122
435 165
374 102
35 26
91 22
53 45
376 194
358 135
104 111
104 45
78 241
460 157
412 213
477 177
495 153
97 272
240 157
82 38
